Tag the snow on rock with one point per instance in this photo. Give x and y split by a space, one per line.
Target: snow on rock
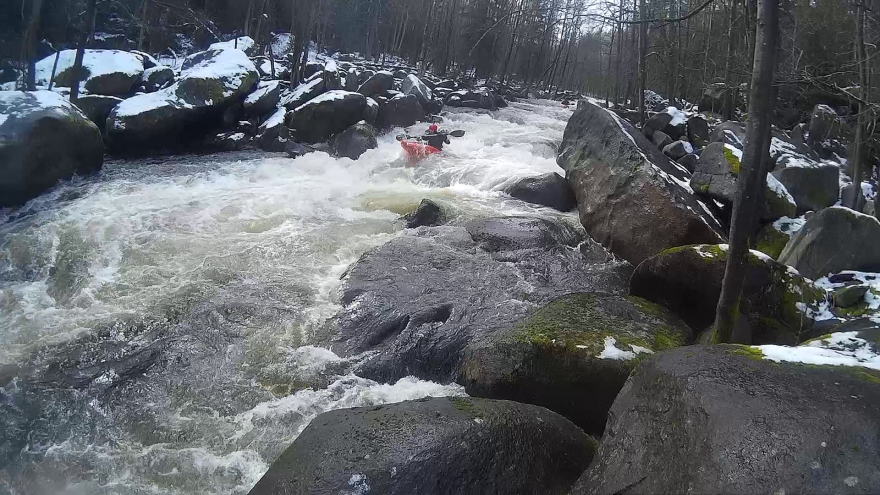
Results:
208 79
779 189
789 225
611 351
836 349
109 72
244 43
678 116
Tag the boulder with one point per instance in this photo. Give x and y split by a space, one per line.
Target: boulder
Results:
311 69
97 107
773 237
432 445
716 175
654 101
825 126
364 75
243 43
860 193
303 93
210 82
412 85
687 280
736 422
473 98
227 141
351 80
354 141
677 126
156 78
430 213
657 122
689 162
322 117
418 302
730 132
573 355
263 100
660 139
446 84
833 240
269 134
330 76
105 72
43 139
849 295
371 111
548 190
296 150
714 98
678 149
698 131
631 198
813 186
377 83
400 111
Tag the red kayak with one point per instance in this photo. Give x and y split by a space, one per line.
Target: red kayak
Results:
416 152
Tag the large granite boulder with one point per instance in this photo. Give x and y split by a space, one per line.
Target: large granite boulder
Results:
728 419
377 83
156 78
303 93
549 189
434 445
812 185
631 198
322 117
777 301
209 83
833 240
105 72
43 139
698 131
412 85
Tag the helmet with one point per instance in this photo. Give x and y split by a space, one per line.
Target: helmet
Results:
432 127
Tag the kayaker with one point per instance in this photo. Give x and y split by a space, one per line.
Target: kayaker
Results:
434 137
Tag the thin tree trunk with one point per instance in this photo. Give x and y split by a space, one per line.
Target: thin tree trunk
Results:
729 94
142 28
81 49
260 21
859 141
247 17
751 180
31 44
643 55
617 62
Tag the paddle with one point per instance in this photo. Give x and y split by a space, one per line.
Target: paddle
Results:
458 133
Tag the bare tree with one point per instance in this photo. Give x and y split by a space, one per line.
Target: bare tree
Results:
88 33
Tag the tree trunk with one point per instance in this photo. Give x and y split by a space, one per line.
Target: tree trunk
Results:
142 28
81 49
751 179
643 55
729 94
247 17
617 62
31 44
859 140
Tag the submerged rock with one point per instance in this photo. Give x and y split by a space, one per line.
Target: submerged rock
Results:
631 197
548 190
573 355
687 280
430 213
735 422
833 240
433 445
43 139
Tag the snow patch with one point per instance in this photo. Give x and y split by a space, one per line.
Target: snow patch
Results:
97 62
612 352
838 349
243 43
678 116
778 188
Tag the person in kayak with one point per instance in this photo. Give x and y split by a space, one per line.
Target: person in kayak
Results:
434 137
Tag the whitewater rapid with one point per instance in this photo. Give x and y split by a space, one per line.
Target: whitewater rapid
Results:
208 279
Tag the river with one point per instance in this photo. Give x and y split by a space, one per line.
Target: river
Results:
156 320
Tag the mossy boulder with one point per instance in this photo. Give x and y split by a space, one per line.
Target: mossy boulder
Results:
572 355
813 186
687 280
104 72
433 445
322 117
722 419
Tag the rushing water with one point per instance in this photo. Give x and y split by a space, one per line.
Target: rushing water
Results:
158 318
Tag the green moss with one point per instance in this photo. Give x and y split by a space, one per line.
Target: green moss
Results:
732 160
868 377
771 242
466 405
747 351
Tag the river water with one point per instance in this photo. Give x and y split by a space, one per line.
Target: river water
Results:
157 321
